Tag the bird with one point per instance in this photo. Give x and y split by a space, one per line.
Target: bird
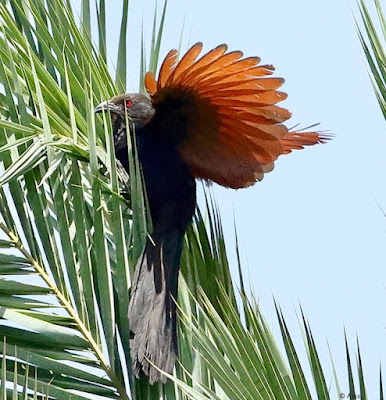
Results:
213 118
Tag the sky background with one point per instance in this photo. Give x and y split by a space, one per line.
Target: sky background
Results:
311 232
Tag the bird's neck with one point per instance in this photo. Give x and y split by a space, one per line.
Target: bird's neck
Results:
162 131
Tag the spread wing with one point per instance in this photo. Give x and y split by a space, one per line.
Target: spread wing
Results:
235 128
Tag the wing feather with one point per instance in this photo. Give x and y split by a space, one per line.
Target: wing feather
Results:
206 71
296 140
186 62
255 84
167 68
150 83
234 126
205 60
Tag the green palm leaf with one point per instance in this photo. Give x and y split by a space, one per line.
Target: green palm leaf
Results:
73 223
373 41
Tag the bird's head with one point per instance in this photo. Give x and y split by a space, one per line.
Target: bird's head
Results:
135 106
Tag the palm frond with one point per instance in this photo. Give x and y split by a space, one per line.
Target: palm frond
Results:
73 224
63 232
373 42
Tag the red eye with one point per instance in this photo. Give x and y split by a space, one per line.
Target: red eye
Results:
128 103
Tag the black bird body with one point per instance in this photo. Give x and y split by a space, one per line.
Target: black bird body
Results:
171 193
213 118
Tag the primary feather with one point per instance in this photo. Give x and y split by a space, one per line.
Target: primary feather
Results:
235 126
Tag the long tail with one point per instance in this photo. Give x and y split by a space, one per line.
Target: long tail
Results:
152 309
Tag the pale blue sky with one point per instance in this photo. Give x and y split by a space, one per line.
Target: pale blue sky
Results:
311 232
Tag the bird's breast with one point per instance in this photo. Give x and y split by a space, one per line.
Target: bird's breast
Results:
170 187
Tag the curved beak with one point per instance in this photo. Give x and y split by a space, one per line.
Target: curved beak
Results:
106 106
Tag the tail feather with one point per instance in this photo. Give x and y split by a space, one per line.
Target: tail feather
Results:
152 309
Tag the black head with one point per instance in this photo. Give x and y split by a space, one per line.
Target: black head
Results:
136 106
